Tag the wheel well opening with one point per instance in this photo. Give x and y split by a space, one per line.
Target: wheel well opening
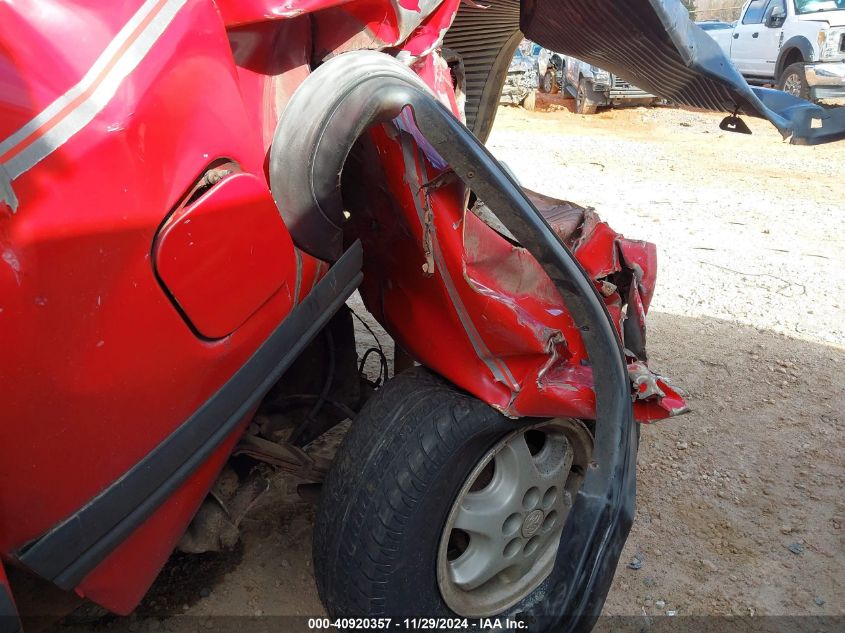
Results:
793 56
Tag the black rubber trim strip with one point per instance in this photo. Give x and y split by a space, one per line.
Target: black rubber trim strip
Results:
598 525
10 622
73 548
372 87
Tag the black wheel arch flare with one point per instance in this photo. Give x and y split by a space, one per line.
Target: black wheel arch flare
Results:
797 43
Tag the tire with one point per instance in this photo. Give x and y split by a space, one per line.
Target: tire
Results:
415 448
549 84
583 102
793 80
530 102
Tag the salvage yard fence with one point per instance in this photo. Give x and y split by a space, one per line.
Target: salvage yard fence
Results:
703 10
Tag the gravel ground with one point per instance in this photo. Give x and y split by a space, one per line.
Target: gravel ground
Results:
747 228
740 504
741 508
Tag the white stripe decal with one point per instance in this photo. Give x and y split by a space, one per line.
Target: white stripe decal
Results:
7 194
63 117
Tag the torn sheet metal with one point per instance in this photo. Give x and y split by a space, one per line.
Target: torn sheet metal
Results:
475 306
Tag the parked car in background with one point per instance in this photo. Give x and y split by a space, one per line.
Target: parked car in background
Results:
550 67
522 79
799 45
593 87
548 64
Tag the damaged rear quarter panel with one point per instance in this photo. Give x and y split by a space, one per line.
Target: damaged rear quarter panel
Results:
464 300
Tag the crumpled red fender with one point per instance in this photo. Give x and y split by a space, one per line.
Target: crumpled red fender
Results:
475 306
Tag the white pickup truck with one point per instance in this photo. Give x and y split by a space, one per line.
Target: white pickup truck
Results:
799 45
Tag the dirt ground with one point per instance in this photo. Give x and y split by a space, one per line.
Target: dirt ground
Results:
741 503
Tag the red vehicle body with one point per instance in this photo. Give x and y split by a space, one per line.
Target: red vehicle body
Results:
145 263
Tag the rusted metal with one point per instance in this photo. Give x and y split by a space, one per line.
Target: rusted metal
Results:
286 457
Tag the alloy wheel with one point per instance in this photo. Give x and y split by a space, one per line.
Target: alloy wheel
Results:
793 85
502 533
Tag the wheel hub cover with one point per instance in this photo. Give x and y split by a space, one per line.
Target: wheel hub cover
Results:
533 521
501 536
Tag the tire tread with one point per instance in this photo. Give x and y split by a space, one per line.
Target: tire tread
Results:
403 436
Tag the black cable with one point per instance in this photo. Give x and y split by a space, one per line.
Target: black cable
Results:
383 368
298 400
